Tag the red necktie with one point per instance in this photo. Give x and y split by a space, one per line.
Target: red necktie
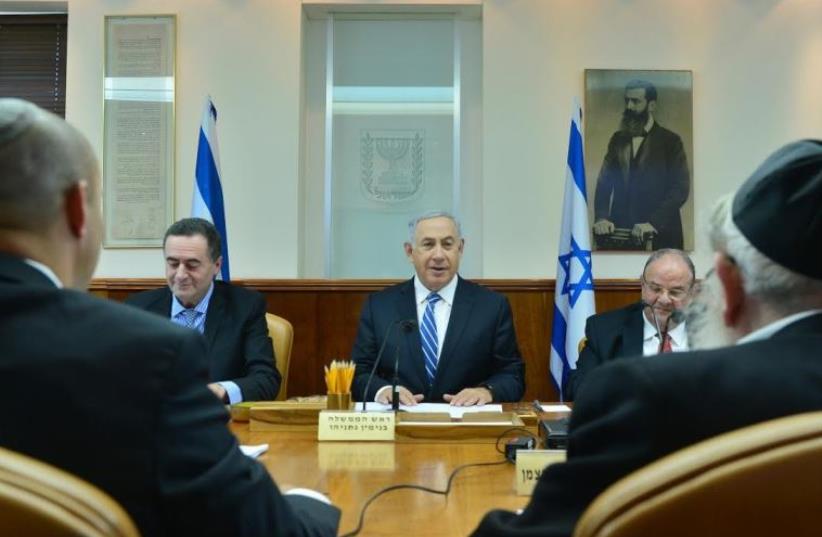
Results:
666 343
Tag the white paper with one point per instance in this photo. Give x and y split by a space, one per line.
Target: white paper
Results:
454 411
254 451
555 408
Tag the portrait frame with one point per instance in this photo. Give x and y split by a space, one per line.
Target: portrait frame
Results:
633 177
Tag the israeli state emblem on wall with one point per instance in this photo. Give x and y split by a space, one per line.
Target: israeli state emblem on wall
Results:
392 164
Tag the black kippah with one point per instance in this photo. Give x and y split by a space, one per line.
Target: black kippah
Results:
779 208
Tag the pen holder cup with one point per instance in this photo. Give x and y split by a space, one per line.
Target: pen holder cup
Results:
338 401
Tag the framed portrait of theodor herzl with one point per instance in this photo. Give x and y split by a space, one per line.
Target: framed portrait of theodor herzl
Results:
639 158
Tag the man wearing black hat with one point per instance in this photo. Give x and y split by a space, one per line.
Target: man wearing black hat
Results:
763 300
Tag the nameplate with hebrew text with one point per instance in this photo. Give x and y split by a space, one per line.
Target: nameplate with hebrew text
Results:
346 425
531 464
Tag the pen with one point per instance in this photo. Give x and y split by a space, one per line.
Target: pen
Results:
538 406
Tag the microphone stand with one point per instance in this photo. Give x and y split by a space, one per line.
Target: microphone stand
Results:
387 336
395 389
407 326
675 316
664 335
656 322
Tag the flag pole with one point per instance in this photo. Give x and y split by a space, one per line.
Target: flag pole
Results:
574 293
207 196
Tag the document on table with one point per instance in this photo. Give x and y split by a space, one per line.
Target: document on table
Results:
454 411
254 451
554 408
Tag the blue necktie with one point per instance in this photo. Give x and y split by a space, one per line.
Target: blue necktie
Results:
189 317
428 335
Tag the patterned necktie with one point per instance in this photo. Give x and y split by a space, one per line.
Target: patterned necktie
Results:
428 334
189 317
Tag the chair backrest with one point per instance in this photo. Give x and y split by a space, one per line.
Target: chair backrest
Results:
761 480
37 499
282 335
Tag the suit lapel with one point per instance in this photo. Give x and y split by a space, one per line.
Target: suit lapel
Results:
214 314
460 313
644 148
407 309
633 334
625 156
162 306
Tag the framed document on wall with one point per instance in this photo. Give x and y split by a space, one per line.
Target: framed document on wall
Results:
639 158
138 154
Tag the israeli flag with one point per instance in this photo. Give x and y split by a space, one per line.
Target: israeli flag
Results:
574 295
207 200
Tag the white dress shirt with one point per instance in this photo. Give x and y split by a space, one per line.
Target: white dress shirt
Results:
650 340
636 141
772 328
45 270
442 312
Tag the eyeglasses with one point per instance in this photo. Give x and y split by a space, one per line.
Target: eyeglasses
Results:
677 293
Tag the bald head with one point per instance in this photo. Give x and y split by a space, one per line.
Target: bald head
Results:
49 192
41 156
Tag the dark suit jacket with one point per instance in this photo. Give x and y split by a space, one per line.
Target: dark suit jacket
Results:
650 187
610 335
635 411
239 348
480 345
119 398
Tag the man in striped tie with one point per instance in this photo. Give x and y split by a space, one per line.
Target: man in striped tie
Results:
463 349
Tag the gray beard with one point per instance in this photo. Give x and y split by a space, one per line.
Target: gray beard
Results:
703 318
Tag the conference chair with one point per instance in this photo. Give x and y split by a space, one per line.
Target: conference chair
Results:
38 500
282 335
762 480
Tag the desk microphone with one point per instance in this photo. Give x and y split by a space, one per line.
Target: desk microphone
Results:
677 316
656 322
407 325
404 322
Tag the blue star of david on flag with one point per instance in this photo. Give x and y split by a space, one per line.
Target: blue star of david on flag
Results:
585 281
574 296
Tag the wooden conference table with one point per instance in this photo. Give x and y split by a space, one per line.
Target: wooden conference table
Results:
350 472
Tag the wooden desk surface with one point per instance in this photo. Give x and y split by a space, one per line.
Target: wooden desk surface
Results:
349 473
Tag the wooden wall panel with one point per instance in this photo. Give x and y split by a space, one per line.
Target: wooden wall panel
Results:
325 314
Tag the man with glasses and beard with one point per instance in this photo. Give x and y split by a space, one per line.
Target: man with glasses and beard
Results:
644 178
757 321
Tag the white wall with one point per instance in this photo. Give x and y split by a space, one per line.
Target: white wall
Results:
757 84
246 54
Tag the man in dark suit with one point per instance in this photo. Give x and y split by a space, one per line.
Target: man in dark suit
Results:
464 351
644 178
107 392
649 327
764 299
240 355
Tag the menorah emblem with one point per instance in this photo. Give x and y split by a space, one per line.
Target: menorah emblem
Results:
396 173
392 150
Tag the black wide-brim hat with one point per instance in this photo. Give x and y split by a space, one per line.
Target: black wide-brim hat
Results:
779 208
